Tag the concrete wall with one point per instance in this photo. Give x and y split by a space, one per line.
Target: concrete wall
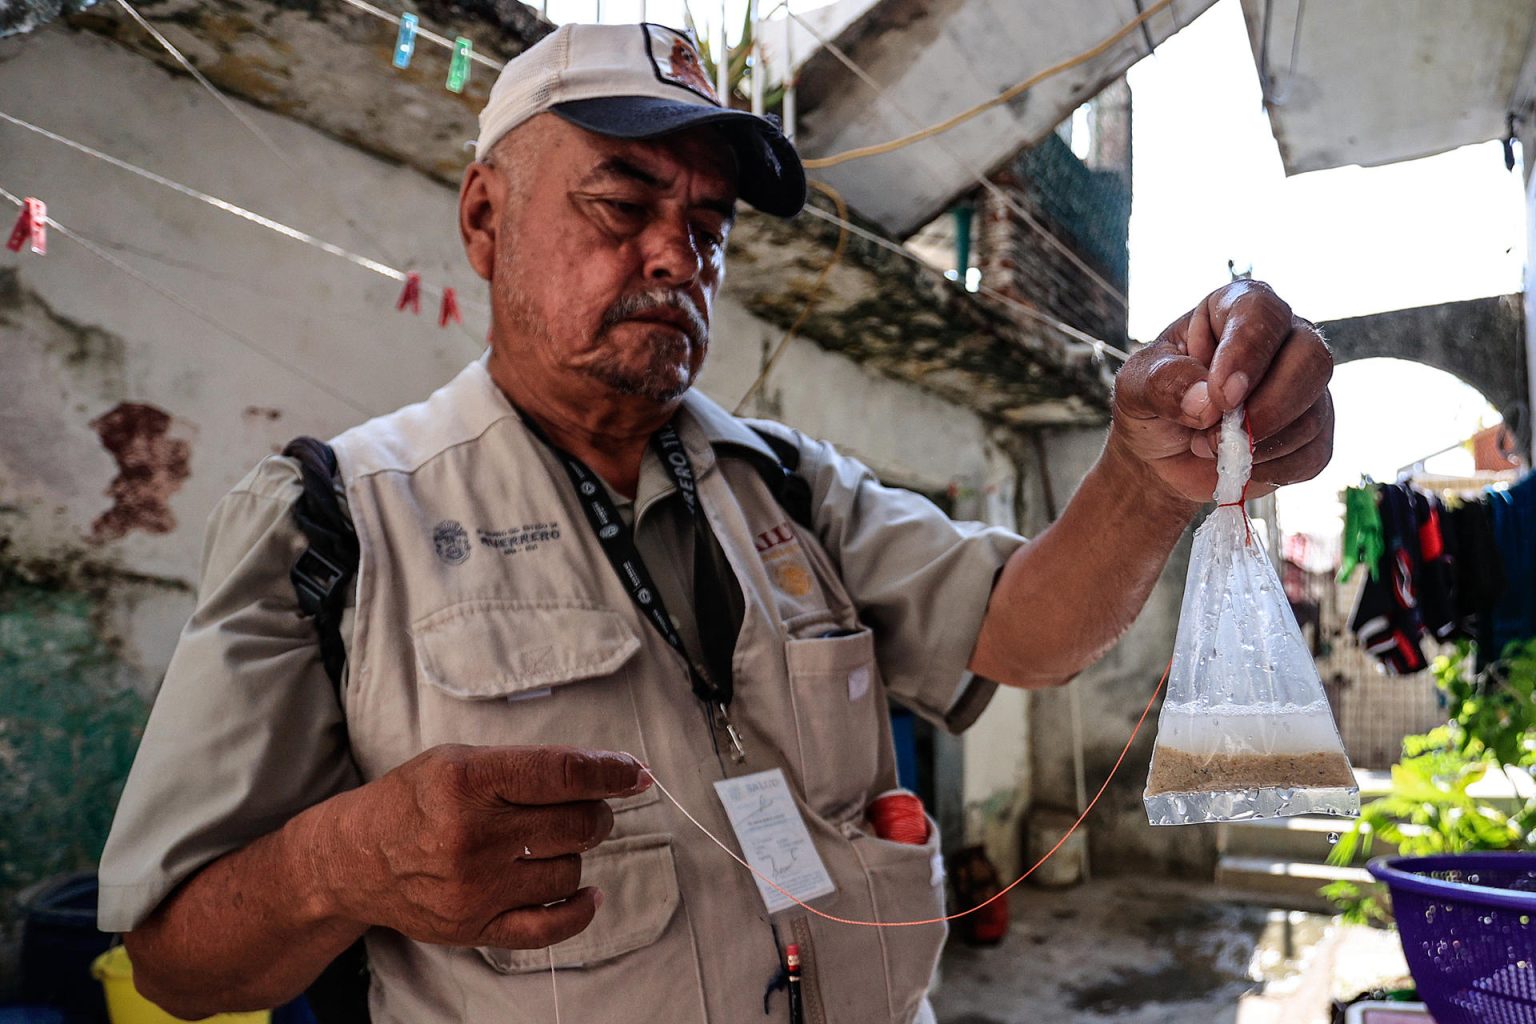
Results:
127 416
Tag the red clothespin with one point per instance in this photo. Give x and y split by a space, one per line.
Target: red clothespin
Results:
411 296
31 226
450 310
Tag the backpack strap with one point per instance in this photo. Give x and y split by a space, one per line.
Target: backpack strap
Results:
321 576
328 565
783 478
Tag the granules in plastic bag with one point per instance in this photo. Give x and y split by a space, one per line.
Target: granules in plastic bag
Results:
1246 730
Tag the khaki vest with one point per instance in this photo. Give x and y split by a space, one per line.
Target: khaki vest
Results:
487 613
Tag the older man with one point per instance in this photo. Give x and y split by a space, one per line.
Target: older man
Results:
571 563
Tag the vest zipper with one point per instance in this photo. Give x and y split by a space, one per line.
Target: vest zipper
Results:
810 980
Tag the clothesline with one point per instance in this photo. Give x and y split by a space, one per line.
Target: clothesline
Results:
176 299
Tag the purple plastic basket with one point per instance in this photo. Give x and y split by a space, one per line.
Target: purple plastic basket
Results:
1468 925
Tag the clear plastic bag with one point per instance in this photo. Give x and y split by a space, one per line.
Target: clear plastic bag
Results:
1245 731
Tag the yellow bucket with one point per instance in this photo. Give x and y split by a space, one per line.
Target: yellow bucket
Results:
126 1006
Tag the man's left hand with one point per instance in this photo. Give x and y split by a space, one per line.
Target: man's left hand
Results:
1241 346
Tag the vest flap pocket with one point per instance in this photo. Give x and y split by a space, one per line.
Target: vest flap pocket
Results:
496 648
638 878
839 707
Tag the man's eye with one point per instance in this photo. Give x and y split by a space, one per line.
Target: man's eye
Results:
714 239
624 208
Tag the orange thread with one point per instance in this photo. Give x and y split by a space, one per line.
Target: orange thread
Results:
948 917
1242 499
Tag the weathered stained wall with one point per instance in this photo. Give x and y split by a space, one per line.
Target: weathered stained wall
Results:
126 416
328 67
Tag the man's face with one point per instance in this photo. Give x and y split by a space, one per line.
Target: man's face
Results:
608 256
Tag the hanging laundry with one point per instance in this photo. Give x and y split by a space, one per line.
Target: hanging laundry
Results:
1514 531
1479 568
1434 580
1362 531
1386 619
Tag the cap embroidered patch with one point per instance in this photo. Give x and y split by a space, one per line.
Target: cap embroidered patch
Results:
676 59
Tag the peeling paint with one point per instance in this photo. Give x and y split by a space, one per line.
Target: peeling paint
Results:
151 467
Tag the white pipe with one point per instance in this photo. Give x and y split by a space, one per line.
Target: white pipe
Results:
1079 769
790 72
723 63
759 69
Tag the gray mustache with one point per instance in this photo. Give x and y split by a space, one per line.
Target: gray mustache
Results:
660 298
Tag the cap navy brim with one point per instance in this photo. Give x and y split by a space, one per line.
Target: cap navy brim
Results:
771 175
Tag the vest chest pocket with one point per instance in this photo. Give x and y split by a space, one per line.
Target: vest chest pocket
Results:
501 671
838 700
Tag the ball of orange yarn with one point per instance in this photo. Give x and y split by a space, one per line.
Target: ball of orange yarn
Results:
898 815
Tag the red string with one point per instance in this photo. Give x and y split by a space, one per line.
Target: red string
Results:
948 917
1242 500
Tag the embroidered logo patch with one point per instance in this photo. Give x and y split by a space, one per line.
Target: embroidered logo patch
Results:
785 561
451 541
676 59
793 579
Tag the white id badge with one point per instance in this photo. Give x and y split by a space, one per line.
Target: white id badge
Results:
773 838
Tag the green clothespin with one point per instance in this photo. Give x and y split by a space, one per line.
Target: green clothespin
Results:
458 69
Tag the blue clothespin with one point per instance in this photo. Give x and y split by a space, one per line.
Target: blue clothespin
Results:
405 42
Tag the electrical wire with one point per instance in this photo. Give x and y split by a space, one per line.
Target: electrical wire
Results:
1099 346
251 126
1006 96
239 211
991 187
423 33
811 300
175 299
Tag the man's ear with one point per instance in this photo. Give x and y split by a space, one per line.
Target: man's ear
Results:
482 199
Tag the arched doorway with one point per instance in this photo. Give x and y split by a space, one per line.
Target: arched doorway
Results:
1393 417
1478 341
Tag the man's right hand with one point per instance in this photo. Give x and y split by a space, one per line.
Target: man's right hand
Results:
476 846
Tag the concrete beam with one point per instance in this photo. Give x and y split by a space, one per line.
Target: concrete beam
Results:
934 58
1378 81
1480 341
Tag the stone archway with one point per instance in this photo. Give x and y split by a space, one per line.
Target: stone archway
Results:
1480 341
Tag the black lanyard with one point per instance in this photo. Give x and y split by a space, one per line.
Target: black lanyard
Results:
714 688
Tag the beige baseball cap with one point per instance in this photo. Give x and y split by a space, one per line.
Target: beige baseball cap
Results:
640 82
